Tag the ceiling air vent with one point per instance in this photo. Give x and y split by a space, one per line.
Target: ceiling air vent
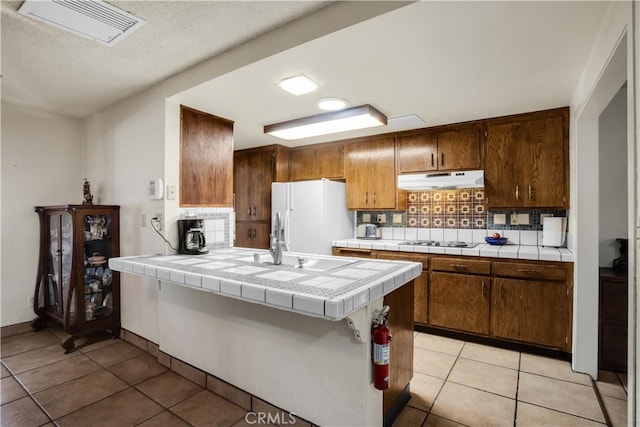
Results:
94 19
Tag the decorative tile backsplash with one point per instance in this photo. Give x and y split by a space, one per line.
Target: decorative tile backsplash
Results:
460 208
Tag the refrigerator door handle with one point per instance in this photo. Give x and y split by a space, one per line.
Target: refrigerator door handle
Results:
287 230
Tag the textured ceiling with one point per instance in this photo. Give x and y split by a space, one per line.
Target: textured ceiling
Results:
446 62
51 69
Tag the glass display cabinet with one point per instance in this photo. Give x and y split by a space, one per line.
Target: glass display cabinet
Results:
75 286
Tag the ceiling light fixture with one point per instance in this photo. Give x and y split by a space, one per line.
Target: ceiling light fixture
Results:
361 117
93 19
298 85
332 104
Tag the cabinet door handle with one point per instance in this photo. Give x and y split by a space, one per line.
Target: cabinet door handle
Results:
530 193
366 198
483 289
517 192
249 233
528 270
374 197
441 159
500 290
433 160
254 210
253 234
458 266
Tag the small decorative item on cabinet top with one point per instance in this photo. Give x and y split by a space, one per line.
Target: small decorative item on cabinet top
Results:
87 198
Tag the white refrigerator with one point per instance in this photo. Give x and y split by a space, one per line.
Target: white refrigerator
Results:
314 213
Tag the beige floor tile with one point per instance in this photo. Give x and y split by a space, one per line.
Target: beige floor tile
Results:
27 342
623 379
112 354
436 421
492 355
536 416
44 377
22 413
563 396
491 378
75 394
410 417
35 358
432 362
10 390
617 410
207 409
609 385
470 406
424 390
138 369
164 419
95 342
131 408
168 388
438 343
553 368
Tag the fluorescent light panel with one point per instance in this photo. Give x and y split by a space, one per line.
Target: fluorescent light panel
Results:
93 19
298 85
361 117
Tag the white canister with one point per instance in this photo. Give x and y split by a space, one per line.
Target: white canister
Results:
553 231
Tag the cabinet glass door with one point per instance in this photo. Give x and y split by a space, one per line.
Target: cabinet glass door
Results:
61 252
98 290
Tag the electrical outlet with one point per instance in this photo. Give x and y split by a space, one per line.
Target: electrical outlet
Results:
397 218
366 217
159 223
171 192
382 218
519 219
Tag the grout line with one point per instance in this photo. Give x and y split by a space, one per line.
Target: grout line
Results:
603 408
515 411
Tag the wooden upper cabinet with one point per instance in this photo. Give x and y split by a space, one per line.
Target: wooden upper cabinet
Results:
527 162
253 173
452 148
206 159
317 161
370 175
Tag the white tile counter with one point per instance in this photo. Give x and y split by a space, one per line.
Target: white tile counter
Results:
540 253
331 294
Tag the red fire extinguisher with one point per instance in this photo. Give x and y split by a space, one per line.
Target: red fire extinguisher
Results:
380 338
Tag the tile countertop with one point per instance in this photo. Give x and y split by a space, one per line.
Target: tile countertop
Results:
331 294
541 253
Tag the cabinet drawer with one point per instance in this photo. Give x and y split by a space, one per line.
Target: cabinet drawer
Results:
352 252
530 271
461 265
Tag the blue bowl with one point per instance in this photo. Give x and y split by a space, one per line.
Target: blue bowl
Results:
498 241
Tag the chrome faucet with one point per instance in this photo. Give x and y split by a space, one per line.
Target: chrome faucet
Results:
278 245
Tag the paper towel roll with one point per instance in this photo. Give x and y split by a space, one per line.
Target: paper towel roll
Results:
553 231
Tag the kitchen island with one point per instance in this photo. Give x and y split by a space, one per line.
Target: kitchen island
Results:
298 338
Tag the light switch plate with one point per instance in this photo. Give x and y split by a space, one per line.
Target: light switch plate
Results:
499 218
519 219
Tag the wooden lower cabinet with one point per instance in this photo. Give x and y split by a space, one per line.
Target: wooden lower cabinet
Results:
460 302
530 311
420 307
253 234
400 325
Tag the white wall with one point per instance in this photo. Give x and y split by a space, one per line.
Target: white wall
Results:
613 177
608 66
41 165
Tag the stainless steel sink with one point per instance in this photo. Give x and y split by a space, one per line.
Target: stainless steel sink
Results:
305 261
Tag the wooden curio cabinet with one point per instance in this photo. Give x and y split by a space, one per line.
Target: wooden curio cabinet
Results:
75 286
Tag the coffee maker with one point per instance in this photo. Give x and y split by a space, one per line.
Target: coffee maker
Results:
191 237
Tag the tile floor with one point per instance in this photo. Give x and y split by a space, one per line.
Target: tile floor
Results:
461 383
114 383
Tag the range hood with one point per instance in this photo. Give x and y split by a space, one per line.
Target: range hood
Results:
426 181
